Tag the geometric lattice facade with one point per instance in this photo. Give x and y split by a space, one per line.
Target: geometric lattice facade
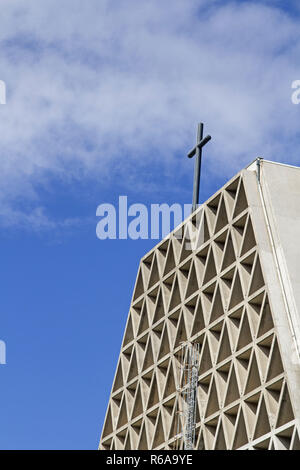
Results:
231 296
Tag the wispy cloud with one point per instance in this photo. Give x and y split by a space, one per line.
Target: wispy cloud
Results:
88 82
36 220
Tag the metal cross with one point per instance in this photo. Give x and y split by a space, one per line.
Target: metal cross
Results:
197 150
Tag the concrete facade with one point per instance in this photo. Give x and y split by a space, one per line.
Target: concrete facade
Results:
237 295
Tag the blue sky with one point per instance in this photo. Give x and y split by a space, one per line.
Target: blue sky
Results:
103 100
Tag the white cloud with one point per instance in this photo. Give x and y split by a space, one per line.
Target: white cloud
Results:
88 82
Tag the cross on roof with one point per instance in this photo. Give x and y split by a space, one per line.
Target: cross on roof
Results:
197 150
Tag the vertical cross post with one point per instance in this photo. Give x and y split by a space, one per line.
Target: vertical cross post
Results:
197 150
197 171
